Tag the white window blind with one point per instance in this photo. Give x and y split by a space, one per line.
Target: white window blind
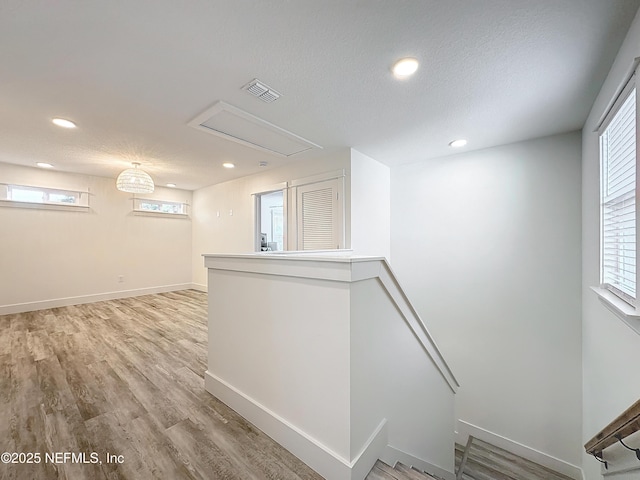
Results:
618 201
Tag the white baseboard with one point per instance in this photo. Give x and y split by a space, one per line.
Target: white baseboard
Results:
392 455
465 429
64 302
199 287
310 450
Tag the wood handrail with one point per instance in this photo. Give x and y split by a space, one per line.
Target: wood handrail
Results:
623 426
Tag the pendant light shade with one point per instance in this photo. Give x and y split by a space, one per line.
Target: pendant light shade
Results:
134 180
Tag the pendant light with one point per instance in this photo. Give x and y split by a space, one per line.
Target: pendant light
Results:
134 180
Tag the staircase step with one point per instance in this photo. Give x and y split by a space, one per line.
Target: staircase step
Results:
377 474
412 473
510 464
484 461
480 471
382 471
488 462
427 474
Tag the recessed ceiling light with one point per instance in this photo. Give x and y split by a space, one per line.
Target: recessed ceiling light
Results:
44 165
171 185
61 122
405 67
228 165
458 143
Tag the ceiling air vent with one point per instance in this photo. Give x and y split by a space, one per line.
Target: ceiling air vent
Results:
258 89
230 122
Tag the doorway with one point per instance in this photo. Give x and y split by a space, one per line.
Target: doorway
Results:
270 221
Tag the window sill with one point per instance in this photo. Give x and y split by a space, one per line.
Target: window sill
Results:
627 313
68 207
151 213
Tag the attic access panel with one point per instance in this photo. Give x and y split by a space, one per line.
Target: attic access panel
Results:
234 124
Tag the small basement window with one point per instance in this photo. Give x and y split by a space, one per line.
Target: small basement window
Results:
43 196
163 207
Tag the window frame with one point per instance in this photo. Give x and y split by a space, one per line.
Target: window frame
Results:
257 207
137 209
612 113
7 194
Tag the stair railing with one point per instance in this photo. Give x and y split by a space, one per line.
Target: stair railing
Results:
624 425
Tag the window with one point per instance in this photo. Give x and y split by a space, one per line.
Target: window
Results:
618 198
159 206
43 195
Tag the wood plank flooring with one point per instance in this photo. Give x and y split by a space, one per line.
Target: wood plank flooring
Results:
124 377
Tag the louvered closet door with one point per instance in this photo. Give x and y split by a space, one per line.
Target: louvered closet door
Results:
319 211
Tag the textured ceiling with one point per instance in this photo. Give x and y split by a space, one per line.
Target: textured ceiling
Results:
132 74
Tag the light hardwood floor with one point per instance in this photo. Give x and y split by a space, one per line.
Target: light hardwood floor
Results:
124 377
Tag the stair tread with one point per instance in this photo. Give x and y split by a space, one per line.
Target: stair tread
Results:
489 462
479 471
378 474
426 474
412 473
509 470
514 465
382 471
484 462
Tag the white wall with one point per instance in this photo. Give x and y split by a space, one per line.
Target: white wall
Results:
294 365
50 254
328 359
235 233
393 377
370 206
610 349
487 245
